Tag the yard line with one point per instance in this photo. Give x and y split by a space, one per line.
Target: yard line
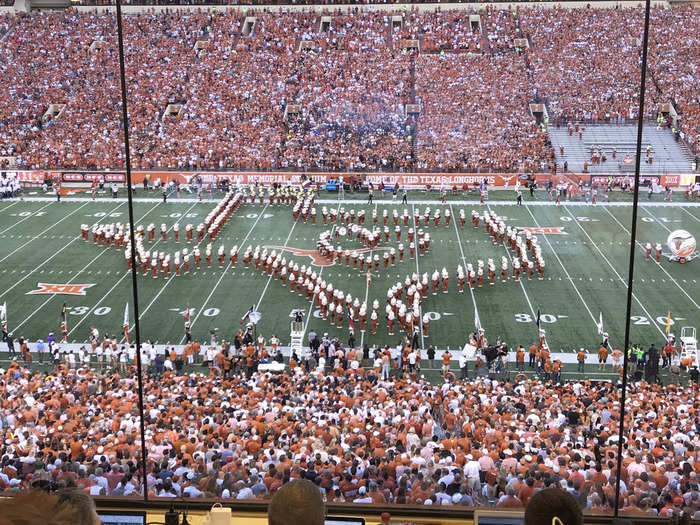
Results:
223 273
464 261
362 334
510 258
420 321
124 276
27 217
320 272
595 245
257 306
653 259
10 206
43 232
54 295
50 258
568 277
693 216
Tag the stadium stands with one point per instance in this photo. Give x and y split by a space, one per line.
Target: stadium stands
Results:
347 77
356 436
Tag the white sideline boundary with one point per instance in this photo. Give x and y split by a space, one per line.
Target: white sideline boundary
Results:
564 357
422 202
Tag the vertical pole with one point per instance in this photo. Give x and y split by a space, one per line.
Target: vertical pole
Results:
134 285
633 239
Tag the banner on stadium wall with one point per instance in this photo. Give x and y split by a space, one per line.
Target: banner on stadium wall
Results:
388 179
29 177
434 180
644 179
90 176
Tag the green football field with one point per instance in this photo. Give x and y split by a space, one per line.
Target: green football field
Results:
586 271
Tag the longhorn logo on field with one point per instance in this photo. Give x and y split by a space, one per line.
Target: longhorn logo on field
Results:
552 230
65 289
316 257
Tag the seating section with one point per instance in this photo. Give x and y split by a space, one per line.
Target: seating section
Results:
328 90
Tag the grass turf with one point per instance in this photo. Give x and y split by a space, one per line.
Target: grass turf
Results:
586 270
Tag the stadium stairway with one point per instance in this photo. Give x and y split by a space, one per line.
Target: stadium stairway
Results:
667 154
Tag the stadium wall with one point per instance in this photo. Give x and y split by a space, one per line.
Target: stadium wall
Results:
76 178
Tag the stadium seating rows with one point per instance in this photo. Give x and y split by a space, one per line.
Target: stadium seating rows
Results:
358 437
350 83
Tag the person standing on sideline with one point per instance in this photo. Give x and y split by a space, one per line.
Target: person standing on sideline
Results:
519 198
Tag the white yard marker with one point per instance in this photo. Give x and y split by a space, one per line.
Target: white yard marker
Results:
653 259
510 258
313 298
49 258
595 322
10 206
124 275
43 232
595 245
75 275
289 236
464 261
362 334
223 273
693 216
420 321
25 218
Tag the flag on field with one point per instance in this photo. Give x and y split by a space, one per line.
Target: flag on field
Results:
64 323
477 321
351 321
126 323
3 316
668 323
247 314
255 317
537 321
600 324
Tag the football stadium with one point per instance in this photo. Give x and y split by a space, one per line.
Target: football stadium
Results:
349 262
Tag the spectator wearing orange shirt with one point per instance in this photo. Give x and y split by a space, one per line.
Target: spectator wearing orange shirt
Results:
602 357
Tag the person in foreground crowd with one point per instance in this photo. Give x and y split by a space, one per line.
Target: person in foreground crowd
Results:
555 506
40 508
297 502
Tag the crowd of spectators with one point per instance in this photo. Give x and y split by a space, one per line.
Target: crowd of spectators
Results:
343 85
475 115
586 62
358 437
675 67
